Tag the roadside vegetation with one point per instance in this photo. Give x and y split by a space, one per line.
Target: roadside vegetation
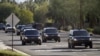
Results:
9 53
63 13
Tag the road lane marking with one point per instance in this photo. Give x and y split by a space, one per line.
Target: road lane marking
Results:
67 50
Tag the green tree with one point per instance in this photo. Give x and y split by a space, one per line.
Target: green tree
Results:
66 11
6 9
40 12
25 16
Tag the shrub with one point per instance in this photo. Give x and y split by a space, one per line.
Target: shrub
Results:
89 30
96 30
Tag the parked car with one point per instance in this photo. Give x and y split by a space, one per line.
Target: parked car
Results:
79 37
31 35
18 29
50 33
10 29
2 26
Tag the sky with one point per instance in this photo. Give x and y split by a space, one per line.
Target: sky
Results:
20 1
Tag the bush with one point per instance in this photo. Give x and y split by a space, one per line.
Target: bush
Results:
96 30
89 30
9 53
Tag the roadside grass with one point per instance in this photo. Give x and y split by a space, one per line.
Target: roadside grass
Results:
9 53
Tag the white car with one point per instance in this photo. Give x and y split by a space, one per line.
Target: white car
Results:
10 29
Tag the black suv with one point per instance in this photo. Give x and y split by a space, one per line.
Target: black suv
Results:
50 33
22 30
2 26
18 29
79 37
31 35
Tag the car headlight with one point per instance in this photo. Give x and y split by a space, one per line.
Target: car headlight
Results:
59 35
39 37
74 39
25 37
90 39
45 35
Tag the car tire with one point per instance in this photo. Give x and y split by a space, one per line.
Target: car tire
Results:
20 38
13 31
86 45
69 46
44 40
18 33
55 39
5 31
23 42
91 45
72 45
59 39
39 42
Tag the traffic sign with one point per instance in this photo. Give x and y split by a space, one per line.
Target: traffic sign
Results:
12 19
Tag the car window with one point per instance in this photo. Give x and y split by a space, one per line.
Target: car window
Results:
80 33
51 31
19 27
1 25
31 32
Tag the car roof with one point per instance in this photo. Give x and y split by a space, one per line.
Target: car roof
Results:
71 31
50 28
29 29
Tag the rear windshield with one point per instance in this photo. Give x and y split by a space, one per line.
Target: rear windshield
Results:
80 33
31 32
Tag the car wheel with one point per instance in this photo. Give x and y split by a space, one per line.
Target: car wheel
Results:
69 46
13 31
20 38
44 40
18 33
39 42
86 45
59 39
91 45
72 45
55 39
5 31
23 42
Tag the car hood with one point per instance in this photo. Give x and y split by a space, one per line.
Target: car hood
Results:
51 33
31 35
82 37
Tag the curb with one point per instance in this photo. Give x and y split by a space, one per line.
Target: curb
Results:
3 47
25 54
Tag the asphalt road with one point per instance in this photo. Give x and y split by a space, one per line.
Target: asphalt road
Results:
52 48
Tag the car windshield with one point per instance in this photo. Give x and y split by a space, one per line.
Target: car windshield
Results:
51 31
31 32
1 25
19 27
80 33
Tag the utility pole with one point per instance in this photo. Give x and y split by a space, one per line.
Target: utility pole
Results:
81 24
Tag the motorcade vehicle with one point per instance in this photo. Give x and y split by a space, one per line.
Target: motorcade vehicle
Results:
10 29
50 33
79 37
18 29
31 35
22 30
2 26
